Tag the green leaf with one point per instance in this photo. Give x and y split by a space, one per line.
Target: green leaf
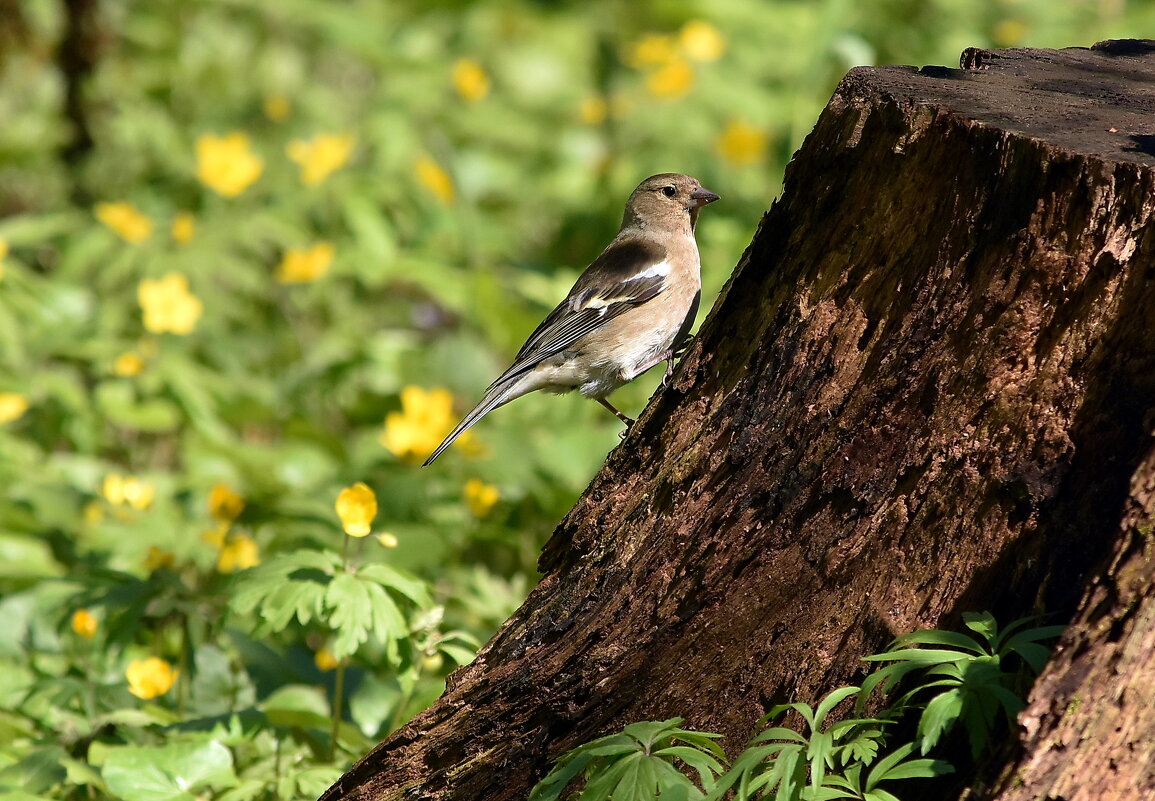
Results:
983 623
939 637
884 766
36 772
920 656
938 717
166 773
919 769
411 587
1034 655
705 764
832 700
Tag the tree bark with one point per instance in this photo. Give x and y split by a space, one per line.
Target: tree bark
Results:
928 388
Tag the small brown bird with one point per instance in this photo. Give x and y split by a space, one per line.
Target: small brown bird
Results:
628 311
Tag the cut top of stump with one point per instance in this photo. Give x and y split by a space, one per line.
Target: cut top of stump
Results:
1097 101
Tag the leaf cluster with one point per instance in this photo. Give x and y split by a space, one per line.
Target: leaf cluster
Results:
960 679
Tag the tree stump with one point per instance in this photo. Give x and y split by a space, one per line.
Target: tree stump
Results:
928 388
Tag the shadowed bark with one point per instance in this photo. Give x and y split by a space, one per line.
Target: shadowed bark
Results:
928 388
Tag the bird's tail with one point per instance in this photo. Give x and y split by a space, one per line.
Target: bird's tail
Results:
498 393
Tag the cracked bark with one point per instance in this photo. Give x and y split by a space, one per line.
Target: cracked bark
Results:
928 388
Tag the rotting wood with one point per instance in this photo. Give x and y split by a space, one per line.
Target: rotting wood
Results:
928 388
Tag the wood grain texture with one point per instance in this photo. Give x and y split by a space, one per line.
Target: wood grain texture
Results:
928 388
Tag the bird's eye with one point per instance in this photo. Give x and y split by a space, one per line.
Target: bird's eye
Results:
669 190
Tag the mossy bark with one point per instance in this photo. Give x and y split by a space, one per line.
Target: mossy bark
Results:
928 388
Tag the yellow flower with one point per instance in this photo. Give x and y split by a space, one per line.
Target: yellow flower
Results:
301 265
325 661
13 405
226 165
224 504
480 497
216 536
148 678
388 540
357 506
84 623
168 305
239 552
651 50
1008 32
741 143
594 110
424 420
93 512
128 364
321 155
470 80
671 80
184 227
434 178
128 490
125 220
3 255
276 108
701 41
158 558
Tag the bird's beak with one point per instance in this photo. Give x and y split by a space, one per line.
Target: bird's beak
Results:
700 197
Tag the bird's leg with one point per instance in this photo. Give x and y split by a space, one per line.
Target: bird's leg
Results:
670 355
627 420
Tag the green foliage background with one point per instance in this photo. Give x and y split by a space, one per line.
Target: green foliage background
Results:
281 390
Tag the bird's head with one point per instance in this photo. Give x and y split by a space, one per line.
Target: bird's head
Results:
666 200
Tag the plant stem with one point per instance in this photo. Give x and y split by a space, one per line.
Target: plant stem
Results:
338 696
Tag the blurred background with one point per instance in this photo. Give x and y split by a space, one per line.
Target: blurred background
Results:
255 254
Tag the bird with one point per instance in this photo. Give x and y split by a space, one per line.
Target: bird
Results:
631 308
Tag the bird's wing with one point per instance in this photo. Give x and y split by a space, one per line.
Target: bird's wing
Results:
629 273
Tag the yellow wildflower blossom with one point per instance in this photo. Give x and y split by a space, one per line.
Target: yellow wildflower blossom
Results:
357 506
13 405
3 255
158 558
321 156
184 227
424 420
671 80
325 661
84 623
701 41
594 109
239 552
433 177
226 165
216 536
470 79
276 108
652 50
93 512
168 304
125 220
128 364
388 540
1008 32
302 265
225 505
741 143
480 497
128 491
149 678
